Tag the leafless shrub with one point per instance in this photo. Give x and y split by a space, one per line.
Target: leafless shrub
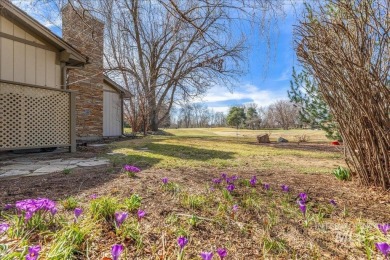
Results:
301 138
345 45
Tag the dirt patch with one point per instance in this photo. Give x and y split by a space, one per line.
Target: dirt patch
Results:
312 147
241 236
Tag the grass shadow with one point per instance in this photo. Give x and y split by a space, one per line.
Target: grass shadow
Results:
58 186
187 152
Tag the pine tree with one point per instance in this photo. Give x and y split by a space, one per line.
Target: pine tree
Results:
236 116
313 110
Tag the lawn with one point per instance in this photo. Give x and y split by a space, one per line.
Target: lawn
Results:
216 188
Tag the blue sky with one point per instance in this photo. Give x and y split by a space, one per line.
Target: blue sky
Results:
259 85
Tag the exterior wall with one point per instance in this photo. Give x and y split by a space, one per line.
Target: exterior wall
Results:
26 59
112 112
86 34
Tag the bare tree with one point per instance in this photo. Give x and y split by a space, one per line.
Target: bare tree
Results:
168 50
165 55
346 46
283 113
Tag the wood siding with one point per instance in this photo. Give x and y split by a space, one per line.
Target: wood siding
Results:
27 63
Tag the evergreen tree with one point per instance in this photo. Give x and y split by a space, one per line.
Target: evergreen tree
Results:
313 109
236 116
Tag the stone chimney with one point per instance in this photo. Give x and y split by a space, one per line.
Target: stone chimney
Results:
85 33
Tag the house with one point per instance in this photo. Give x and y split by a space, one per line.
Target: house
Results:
52 90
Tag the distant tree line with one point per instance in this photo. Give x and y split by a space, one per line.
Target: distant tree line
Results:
280 114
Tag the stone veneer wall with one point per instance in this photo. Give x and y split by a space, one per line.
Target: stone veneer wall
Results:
85 33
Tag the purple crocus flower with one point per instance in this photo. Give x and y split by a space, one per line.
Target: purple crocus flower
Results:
93 196
30 206
8 206
77 213
222 252
253 181
234 178
224 176
303 197
285 188
384 228
131 168
116 251
266 186
53 211
206 255
4 227
333 202
120 217
33 252
302 207
182 242
217 181
235 208
141 214
383 247
230 187
164 180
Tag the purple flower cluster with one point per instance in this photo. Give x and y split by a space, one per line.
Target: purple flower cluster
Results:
230 187
120 217
141 213
217 181
164 180
131 168
384 248
33 252
222 253
77 213
384 228
285 188
182 242
302 202
30 206
253 181
116 250
4 227
266 186
231 180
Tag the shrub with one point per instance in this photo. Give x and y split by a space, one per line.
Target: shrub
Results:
133 203
193 201
171 187
342 174
70 203
104 208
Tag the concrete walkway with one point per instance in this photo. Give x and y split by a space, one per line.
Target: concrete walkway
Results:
27 167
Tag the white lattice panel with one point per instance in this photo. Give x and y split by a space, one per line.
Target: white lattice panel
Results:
33 117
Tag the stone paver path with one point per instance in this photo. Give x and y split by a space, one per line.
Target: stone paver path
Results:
27 167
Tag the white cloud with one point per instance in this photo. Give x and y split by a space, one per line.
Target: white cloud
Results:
219 98
219 109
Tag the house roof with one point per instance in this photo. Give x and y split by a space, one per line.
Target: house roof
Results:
75 57
116 86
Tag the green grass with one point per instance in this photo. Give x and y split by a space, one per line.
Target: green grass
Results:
220 148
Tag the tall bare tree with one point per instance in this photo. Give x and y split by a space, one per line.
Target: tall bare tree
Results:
166 50
346 46
284 114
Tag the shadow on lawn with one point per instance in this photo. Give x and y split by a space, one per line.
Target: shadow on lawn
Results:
187 152
58 186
